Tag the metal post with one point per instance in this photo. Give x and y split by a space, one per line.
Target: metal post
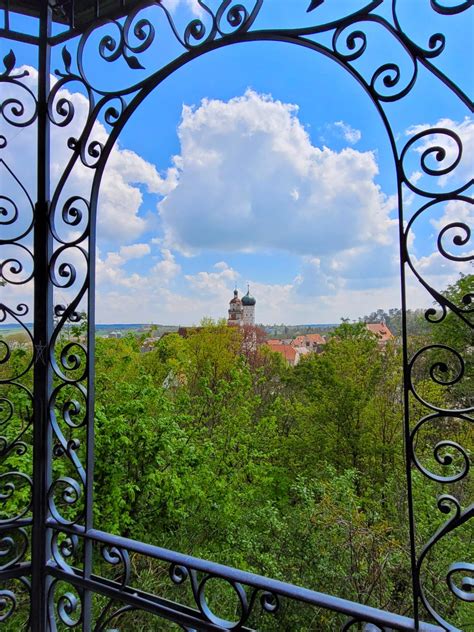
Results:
43 311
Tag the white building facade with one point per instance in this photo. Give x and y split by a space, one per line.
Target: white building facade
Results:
242 311
248 305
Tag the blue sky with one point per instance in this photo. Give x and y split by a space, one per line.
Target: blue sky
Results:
265 163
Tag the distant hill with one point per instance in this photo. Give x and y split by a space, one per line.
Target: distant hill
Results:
101 329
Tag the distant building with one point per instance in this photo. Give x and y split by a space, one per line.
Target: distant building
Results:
275 341
294 349
279 341
382 332
248 307
242 311
236 310
289 353
312 342
148 344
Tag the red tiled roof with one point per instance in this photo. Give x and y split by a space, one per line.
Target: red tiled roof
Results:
314 339
381 331
317 338
286 351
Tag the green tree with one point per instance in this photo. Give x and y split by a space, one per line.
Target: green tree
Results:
457 334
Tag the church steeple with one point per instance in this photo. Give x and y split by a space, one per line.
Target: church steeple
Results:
248 306
248 299
235 310
242 311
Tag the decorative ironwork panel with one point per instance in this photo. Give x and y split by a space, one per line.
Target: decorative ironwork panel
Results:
48 543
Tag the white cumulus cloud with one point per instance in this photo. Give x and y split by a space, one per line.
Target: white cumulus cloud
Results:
134 251
350 134
119 220
212 283
166 269
250 178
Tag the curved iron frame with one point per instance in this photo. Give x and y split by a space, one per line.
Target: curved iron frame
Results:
51 539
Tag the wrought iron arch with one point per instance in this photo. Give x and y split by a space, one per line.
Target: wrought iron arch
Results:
49 544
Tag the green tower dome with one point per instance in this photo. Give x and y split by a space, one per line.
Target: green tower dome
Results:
248 299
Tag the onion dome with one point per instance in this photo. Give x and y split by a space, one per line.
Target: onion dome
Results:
236 299
248 299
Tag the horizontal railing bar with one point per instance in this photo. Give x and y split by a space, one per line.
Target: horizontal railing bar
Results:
19 570
164 608
11 526
314 598
8 34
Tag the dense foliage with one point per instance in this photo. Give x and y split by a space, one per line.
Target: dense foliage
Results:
296 473
222 451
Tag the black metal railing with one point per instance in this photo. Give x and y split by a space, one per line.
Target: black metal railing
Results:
47 535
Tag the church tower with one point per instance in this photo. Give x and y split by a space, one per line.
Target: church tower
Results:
236 313
248 308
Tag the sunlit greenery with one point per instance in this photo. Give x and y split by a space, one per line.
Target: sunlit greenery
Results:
292 472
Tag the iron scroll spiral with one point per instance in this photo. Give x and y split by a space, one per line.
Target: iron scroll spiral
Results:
269 601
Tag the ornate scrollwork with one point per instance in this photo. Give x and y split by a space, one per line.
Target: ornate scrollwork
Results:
388 82
269 601
10 214
119 559
73 411
13 547
72 366
61 110
18 110
446 453
450 9
69 271
232 14
439 154
21 109
15 420
458 240
68 414
450 506
64 496
14 268
12 599
67 608
112 48
21 310
355 42
466 591
67 445
440 157
459 233
8 604
125 42
12 485
16 399
64 549
445 371
107 617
